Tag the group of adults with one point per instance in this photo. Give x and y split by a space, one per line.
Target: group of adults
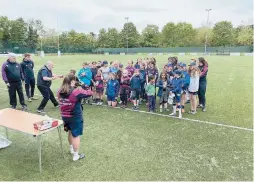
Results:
16 74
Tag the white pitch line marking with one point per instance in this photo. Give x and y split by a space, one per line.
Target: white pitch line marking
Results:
185 119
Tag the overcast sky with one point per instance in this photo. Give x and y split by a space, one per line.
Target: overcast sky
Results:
90 16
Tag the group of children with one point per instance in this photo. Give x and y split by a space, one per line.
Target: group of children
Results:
137 83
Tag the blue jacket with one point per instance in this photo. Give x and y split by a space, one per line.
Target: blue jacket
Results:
27 68
87 78
177 84
112 88
186 80
159 84
142 76
136 82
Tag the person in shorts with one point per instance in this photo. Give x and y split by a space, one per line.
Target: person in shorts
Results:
194 73
112 90
177 90
71 112
135 83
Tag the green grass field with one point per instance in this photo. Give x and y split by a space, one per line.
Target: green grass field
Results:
126 145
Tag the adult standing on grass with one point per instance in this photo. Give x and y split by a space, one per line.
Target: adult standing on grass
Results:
72 113
27 67
203 67
13 77
44 81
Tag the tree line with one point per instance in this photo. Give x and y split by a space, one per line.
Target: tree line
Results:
31 33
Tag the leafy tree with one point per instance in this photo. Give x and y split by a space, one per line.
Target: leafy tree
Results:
113 38
245 36
223 33
150 36
18 32
130 33
102 38
200 37
168 35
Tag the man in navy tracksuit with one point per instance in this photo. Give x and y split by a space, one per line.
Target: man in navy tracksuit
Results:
12 76
44 80
27 67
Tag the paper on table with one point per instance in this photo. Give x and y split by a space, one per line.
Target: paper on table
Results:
4 142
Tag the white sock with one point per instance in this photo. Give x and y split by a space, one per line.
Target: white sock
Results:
180 112
174 109
75 156
165 105
71 149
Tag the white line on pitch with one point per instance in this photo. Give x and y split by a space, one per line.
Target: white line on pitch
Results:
185 119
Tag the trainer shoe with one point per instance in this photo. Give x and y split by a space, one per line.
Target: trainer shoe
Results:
41 111
24 108
200 106
77 157
34 98
29 100
57 106
172 114
13 107
204 109
192 112
98 103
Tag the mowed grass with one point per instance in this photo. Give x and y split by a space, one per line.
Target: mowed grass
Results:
126 145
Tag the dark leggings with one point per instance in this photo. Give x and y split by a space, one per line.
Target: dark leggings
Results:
28 85
202 92
124 97
142 92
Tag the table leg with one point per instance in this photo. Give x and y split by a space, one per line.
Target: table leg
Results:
39 150
6 132
60 138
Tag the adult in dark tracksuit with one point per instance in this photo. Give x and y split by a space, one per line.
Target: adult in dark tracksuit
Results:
27 67
44 80
203 66
12 76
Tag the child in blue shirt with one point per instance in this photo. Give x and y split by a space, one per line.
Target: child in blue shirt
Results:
135 89
186 82
177 90
112 90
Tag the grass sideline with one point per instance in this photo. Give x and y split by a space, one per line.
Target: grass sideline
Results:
122 145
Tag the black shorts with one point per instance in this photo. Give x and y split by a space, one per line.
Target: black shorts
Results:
193 93
135 93
99 90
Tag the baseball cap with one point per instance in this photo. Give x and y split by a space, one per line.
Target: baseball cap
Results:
120 65
192 64
170 65
171 73
183 65
105 62
178 72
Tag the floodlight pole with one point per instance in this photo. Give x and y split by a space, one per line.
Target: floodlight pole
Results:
127 18
207 24
57 35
